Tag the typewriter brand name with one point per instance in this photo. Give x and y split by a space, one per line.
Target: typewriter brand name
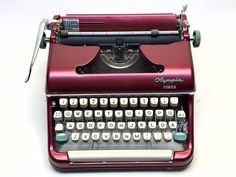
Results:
169 80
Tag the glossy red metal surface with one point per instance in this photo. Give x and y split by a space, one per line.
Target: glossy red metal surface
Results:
125 22
63 61
187 155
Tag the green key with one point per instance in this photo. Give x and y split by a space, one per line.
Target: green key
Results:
62 137
180 137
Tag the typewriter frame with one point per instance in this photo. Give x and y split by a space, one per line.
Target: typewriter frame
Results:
181 159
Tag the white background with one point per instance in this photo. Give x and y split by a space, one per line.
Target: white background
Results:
23 130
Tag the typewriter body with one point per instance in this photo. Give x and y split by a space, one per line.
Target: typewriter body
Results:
119 91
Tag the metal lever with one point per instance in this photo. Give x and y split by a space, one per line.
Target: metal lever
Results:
40 43
184 8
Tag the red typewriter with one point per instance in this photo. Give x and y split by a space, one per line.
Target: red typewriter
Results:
119 91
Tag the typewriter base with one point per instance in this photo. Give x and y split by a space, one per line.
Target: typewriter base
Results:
119 166
179 164
138 168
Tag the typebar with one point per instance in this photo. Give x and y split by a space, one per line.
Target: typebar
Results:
119 155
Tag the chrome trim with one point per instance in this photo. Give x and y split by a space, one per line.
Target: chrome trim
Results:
125 94
123 33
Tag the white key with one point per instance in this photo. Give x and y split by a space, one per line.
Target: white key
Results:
106 136
88 114
93 102
164 101
111 125
108 114
143 102
167 136
162 125
149 114
174 101
80 125
129 114
57 116
141 125
133 102
118 114
134 155
157 136
90 125
126 136
120 125
147 136
123 102
172 124
74 137
95 136
85 137
181 115
139 114
116 136
59 128
159 113
169 114
100 125
83 102
131 125
152 125
154 101
63 102
137 136
73 102
113 102
78 115
98 114
70 125
68 115
103 102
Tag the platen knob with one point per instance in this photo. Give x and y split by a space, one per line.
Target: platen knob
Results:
196 38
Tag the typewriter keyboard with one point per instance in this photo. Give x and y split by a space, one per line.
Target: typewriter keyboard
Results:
140 123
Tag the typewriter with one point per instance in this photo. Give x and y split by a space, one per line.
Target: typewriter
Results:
119 91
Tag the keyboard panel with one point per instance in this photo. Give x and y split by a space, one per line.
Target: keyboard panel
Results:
120 122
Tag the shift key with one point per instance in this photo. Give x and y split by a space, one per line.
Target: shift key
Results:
180 137
62 137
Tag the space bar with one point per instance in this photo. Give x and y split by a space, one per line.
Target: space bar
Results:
119 155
